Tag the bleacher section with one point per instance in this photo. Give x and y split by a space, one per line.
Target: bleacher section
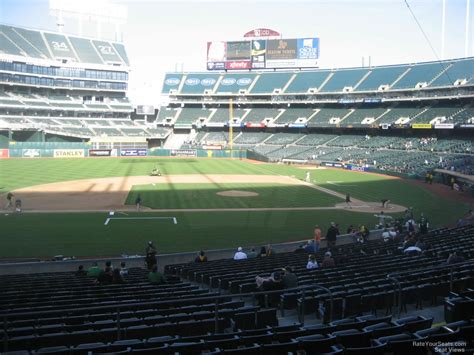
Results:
198 83
36 64
305 81
235 83
344 79
327 117
188 116
379 77
257 115
222 115
22 42
397 77
292 115
208 307
269 82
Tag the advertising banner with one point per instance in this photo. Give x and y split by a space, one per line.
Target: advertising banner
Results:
259 48
212 147
100 152
278 49
4 153
216 55
68 153
183 153
308 48
355 168
31 153
238 64
262 32
444 126
142 152
421 126
333 165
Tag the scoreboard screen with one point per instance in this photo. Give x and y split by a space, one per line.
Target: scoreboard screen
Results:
263 54
145 110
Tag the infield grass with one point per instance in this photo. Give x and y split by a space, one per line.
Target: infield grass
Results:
84 234
162 196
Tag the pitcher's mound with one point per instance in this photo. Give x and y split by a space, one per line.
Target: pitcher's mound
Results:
237 193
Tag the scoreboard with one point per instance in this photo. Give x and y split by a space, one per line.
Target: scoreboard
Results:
263 54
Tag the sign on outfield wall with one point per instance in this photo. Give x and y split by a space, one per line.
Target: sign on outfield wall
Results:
31 153
133 152
100 152
68 153
183 153
4 153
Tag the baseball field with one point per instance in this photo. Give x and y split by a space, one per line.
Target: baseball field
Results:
195 204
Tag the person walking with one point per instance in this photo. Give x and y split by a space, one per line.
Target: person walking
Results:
348 201
317 238
331 235
138 202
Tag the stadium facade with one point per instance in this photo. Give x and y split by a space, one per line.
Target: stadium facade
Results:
64 88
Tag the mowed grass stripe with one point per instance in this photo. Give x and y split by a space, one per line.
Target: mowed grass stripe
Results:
195 196
17 173
84 234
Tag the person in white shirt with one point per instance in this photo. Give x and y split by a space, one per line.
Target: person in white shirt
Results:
312 263
239 255
388 234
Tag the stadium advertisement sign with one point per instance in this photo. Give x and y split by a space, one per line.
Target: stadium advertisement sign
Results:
263 53
100 152
278 49
258 54
332 165
262 32
31 153
308 51
4 153
183 153
216 55
421 126
142 152
355 168
68 153
238 64
444 126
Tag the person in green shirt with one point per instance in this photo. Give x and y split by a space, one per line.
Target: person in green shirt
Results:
155 277
94 271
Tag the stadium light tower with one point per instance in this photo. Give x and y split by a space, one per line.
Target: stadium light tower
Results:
97 11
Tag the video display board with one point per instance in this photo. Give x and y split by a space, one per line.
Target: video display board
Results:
263 54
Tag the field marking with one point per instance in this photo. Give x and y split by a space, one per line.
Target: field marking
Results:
337 183
175 221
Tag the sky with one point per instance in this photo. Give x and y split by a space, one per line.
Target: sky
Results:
162 35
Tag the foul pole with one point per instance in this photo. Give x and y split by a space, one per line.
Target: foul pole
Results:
231 116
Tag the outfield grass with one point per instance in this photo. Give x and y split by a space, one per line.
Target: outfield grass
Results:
162 196
84 234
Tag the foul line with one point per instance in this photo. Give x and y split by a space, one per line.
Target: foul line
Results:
175 221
